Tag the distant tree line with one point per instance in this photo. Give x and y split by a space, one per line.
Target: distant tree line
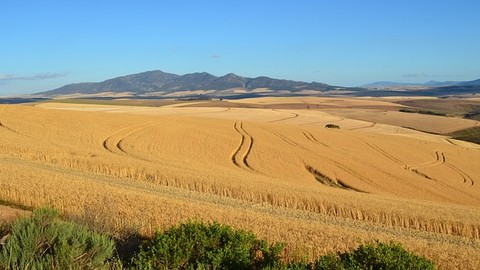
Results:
421 112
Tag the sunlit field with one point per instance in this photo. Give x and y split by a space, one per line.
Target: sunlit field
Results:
267 164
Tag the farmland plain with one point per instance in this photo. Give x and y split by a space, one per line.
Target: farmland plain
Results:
264 164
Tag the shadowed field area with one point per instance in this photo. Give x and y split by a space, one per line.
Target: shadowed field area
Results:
265 166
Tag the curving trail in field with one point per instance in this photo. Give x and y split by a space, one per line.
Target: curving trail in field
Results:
413 169
312 138
387 155
114 143
369 126
294 115
466 178
240 156
286 139
439 160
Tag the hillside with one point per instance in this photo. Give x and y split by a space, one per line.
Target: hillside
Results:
388 84
165 83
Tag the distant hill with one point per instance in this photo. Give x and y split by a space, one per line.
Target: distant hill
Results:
167 83
388 84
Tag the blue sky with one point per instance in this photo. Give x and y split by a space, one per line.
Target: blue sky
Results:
46 44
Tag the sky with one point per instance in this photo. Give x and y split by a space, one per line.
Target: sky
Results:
47 44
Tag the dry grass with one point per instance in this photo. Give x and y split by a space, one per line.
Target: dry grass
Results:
8 214
140 168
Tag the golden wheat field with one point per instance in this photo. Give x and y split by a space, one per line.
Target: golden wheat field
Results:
267 164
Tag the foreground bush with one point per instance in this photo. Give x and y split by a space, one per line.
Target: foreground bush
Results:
200 246
384 257
374 256
44 241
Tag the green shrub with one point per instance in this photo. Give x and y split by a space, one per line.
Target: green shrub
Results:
381 256
329 262
200 246
44 241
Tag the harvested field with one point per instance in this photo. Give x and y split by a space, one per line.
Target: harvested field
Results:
273 170
422 122
448 106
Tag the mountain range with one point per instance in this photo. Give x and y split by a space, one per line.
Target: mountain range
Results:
167 85
161 83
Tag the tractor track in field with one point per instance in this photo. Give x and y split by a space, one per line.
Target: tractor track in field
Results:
369 126
413 169
451 142
113 143
9 129
287 140
439 160
295 115
466 178
312 138
240 156
387 155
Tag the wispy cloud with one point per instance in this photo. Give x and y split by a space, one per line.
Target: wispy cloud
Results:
415 75
40 76
215 56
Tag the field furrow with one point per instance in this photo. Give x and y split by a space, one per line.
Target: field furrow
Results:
240 156
7 128
113 143
387 155
466 178
294 115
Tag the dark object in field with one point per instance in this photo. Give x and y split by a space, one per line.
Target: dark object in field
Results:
332 126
